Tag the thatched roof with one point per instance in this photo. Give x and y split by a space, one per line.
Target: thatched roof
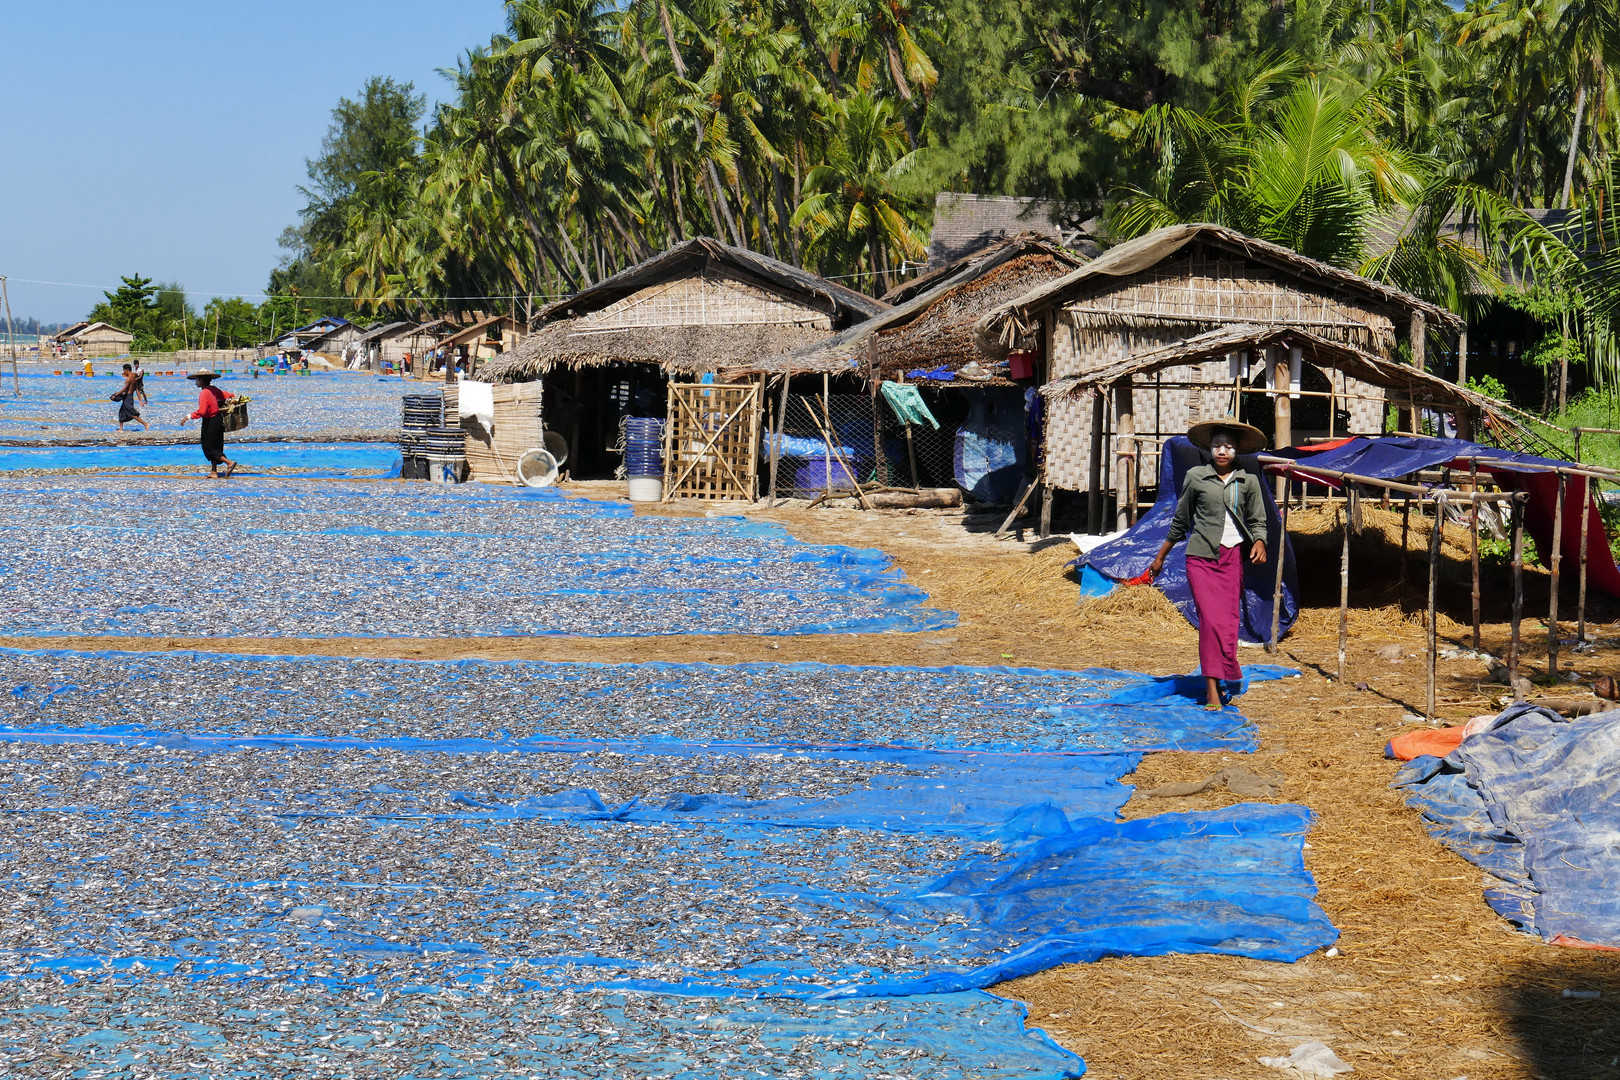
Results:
684 348
480 329
1017 317
387 330
933 326
1425 390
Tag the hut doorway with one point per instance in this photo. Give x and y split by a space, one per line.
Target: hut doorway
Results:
587 407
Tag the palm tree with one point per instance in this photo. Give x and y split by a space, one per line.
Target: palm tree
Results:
1281 157
853 210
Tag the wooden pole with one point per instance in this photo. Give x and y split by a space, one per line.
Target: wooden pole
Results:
1094 503
11 337
1046 505
1518 594
1436 538
1344 590
1580 602
1125 449
1406 528
1282 407
1473 554
1282 548
776 444
826 471
1553 565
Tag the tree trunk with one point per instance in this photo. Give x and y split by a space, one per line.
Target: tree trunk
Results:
1574 145
1518 150
790 237
527 213
725 206
761 213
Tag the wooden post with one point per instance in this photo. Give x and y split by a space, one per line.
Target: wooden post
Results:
1406 528
1436 538
1125 449
1586 517
878 456
1473 555
826 471
1046 505
1344 590
1553 565
1518 593
1462 354
1417 340
1282 548
1577 433
776 444
11 337
1094 504
1282 406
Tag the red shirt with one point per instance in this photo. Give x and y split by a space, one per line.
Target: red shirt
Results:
208 401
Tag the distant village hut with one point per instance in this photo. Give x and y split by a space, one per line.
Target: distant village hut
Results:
99 339
1193 322
616 349
487 338
387 344
926 341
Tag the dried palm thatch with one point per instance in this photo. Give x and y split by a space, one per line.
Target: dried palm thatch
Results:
933 327
700 306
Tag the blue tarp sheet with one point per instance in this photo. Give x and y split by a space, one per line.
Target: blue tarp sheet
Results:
1534 800
319 459
424 828
1130 555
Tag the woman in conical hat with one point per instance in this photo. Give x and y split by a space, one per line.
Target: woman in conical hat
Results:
1222 515
209 400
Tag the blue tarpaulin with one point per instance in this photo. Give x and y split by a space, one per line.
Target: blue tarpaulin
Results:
1130 555
356 828
1534 800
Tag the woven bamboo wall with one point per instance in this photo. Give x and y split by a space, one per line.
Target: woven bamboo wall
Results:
706 300
1206 292
519 426
1168 304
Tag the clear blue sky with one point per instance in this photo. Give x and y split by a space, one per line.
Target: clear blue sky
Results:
168 138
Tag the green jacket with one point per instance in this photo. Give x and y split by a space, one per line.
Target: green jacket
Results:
1205 500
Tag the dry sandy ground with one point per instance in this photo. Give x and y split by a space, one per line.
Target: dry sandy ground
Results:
1428 982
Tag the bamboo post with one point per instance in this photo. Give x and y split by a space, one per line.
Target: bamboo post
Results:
11 337
1094 504
1282 548
1577 433
1406 528
1518 594
827 464
1580 602
1125 448
776 444
1473 542
1554 565
1436 537
1344 591
1046 505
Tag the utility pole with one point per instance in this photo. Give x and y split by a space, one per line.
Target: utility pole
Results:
11 336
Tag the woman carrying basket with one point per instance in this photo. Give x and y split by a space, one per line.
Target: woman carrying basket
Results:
1224 511
209 400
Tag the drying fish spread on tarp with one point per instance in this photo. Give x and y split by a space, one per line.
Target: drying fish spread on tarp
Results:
108 556
415 854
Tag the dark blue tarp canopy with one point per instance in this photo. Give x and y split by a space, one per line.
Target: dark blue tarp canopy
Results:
1130 555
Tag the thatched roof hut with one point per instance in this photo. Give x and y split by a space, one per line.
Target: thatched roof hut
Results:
931 324
700 306
1189 322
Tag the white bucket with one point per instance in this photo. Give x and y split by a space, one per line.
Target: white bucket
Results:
646 489
537 468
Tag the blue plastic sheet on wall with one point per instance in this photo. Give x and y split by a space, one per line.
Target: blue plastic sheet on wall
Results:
990 450
1130 555
1535 801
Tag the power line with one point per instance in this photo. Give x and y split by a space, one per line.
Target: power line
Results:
299 296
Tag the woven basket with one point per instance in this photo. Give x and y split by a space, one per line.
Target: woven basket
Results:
234 413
